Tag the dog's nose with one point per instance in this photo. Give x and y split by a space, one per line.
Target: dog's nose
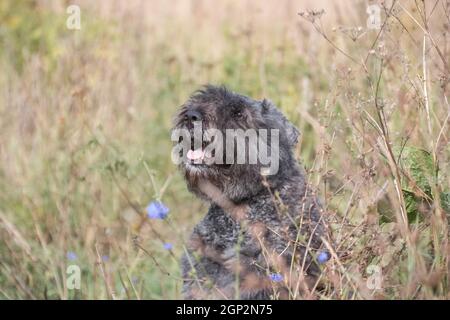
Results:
194 115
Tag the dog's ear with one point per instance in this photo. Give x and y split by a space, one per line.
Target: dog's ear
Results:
292 133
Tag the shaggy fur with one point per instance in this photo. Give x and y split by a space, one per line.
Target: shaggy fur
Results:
256 225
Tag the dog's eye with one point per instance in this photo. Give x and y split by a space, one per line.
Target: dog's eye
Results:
237 113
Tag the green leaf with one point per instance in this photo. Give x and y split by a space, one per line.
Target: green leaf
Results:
418 174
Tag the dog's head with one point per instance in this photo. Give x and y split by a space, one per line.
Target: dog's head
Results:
232 141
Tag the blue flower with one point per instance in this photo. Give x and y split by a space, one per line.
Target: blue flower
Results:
323 257
72 256
105 258
168 246
157 210
276 277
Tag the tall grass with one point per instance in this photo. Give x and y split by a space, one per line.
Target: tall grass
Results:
85 117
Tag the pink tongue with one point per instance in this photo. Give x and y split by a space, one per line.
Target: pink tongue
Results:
195 154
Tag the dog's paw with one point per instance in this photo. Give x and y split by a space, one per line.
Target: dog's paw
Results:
230 259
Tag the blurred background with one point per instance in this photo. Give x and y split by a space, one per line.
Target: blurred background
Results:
85 118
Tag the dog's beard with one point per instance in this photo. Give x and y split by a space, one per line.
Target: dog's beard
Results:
196 166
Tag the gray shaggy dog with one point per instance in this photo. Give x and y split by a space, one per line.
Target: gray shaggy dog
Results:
262 234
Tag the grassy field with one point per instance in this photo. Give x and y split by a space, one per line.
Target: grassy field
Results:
85 118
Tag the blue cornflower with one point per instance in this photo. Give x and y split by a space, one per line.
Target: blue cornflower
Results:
105 258
323 257
168 246
72 256
157 210
276 277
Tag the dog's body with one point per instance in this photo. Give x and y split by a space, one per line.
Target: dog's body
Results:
256 225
